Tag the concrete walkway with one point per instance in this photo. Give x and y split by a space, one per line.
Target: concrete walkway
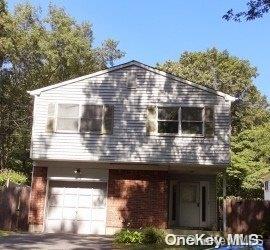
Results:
54 241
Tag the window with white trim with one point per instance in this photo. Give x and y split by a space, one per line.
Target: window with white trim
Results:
168 120
192 121
80 118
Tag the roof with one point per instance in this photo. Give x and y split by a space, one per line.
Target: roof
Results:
128 64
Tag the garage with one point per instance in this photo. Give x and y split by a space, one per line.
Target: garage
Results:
76 207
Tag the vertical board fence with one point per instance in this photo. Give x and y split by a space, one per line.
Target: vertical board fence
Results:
14 207
246 215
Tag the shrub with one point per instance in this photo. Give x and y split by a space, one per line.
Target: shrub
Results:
146 236
129 236
13 176
153 236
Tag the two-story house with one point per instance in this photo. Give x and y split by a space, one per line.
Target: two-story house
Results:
130 146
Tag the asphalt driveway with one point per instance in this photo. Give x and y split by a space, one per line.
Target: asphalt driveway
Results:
54 241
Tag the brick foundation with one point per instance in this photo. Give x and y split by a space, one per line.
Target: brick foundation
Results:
37 199
137 198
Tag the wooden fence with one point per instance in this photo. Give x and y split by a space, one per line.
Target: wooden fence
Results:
14 207
246 216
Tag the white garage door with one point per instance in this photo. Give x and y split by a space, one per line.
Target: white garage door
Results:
76 207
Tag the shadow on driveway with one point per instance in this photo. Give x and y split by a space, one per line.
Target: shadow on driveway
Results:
55 241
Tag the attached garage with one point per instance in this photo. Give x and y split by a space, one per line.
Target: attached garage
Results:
76 207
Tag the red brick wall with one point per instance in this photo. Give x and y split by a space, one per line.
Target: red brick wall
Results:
37 198
137 198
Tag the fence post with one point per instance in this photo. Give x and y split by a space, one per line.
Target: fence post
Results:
224 202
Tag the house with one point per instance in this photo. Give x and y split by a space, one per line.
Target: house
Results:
130 146
266 187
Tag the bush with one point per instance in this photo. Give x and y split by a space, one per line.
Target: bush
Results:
129 236
153 236
13 176
145 236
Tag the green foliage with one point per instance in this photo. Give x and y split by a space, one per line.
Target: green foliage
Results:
250 162
229 74
38 49
13 176
153 236
145 236
128 236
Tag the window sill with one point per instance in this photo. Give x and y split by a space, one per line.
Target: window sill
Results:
79 133
178 135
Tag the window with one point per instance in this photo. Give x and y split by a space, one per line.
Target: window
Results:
68 117
197 121
192 120
168 121
97 119
83 118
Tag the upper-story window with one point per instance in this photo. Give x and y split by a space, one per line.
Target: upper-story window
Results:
65 117
192 120
197 121
168 121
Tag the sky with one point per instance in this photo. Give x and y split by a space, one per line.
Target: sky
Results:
156 31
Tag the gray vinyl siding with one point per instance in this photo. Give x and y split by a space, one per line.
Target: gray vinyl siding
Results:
129 141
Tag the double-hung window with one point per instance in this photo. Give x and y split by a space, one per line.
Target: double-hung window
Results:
67 117
168 120
80 118
191 121
186 121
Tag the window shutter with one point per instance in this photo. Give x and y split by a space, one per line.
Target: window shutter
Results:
50 118
108 116
209 124
151 121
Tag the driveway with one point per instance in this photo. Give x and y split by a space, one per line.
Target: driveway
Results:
54 241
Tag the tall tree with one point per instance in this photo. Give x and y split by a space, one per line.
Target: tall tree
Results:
229 74
255 9
39 50
250 162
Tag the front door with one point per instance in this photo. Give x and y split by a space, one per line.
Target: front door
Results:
190 204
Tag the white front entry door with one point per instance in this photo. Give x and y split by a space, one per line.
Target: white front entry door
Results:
74 207
190 204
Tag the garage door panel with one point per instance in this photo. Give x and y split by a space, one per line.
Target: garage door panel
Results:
86 190
85 201
69 226
98 214
98 227
99 202
56 190
84 227
69 213
70 200
84 214
53 226
54 213
56 200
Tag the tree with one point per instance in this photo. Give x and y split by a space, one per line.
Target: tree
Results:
229 74
35 51
255 9
250 161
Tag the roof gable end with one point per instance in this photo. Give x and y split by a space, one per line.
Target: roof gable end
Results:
128 64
